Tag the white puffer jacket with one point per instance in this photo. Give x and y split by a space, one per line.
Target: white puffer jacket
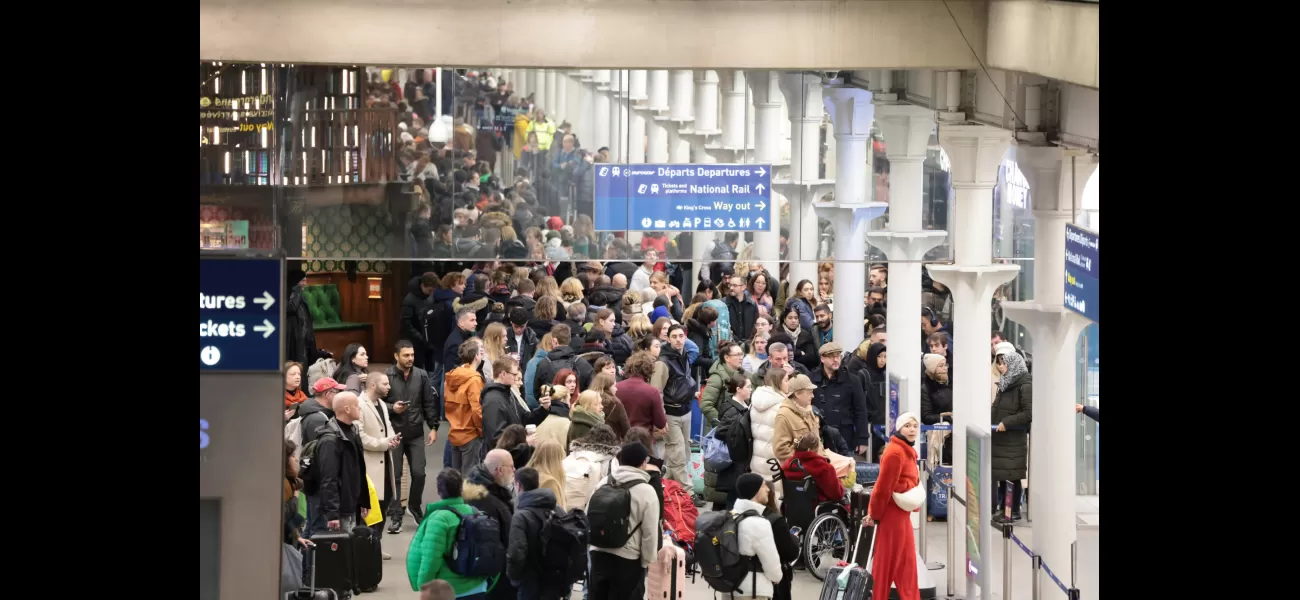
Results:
762 416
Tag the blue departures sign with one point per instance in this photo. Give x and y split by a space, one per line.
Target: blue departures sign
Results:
1082 274
239 314
714 197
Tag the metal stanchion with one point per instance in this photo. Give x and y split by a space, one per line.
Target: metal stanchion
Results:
1038 577
1073 592
952 545
925 518
1006 561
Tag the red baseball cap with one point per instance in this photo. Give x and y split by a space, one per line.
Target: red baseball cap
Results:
326 383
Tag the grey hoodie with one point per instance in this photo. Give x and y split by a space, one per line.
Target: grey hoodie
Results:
644 541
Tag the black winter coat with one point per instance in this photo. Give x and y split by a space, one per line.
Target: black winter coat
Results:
698 333
563 357
414 308
342 467
501 410
1014 408
531 340
490 498
743 314
422 405
524 553
844 403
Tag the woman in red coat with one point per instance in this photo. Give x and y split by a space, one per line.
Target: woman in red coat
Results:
895 550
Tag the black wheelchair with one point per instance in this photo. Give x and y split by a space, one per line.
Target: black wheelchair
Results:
828 528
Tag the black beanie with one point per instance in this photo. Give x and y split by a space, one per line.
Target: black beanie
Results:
747 485
633 454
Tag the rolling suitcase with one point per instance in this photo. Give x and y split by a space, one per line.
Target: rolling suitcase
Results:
666 579
333 558
367 559
856 582
312 593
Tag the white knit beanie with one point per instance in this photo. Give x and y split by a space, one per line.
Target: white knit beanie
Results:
903 419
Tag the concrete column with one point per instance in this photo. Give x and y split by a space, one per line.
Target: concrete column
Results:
751 119
679 146
585 126
552 97
706 102
975 152
765 87
733 109
638 94
657 123
624 115
907 130
561 98
573 99
1055 331
521 82
803 94
851 113
600 113
539 88
681 85
615 114
787 128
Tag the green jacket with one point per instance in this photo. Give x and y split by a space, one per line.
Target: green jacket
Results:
715 389
432 541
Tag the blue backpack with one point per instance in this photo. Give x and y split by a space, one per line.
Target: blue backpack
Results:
477 550
721 330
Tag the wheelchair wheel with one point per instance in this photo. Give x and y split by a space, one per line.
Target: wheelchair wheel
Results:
825 543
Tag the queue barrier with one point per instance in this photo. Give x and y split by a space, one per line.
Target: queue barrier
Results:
1039 566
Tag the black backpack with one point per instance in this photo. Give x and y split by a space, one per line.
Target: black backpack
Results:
609 512
680 389
717 551
308 472
477 551
564 547
738 437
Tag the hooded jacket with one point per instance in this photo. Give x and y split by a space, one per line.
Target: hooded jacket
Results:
584 467
763 406
562 357
757 540
644 517
432 541
715 392
581 422
501 410
524 553
791 423
555 427
314 416
464 409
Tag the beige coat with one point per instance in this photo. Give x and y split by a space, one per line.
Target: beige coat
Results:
791 423
375 442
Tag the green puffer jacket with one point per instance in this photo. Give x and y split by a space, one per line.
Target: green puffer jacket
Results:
715 391
432 541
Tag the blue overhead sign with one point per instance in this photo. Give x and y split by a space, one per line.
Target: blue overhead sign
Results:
239 314
714 197
1082 272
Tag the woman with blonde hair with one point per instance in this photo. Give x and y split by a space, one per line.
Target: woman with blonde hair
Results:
570 291
548 287
639 326
757 354
548 459
587 413
494 347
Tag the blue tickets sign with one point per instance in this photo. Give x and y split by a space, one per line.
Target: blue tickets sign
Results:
1082 272
716 197
239 314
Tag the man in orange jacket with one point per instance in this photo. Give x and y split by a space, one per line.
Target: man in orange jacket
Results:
464 411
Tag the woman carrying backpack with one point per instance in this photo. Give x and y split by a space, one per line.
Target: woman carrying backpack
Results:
433 541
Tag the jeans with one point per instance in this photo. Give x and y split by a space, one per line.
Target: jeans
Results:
468 456
615 578
411 449
677 450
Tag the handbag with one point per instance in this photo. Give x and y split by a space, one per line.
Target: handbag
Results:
911 499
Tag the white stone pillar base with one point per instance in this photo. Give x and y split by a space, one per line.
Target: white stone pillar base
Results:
851 222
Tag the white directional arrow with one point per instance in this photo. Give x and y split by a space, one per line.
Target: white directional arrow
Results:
762 171
266 300
762 205
759 221
761 187
266 328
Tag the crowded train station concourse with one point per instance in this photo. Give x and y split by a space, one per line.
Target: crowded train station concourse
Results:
543 328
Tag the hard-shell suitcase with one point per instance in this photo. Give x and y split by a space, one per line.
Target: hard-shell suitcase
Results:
666 579
858 585
312 593
367 559
334 561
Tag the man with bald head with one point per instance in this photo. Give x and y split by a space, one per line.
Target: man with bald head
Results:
619 281
487 488
341 493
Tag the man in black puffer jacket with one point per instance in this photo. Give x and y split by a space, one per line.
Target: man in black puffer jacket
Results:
487 488
524 554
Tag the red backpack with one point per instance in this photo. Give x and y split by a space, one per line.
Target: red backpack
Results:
679 512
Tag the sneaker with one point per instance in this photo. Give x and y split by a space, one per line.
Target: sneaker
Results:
394 525
386 555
